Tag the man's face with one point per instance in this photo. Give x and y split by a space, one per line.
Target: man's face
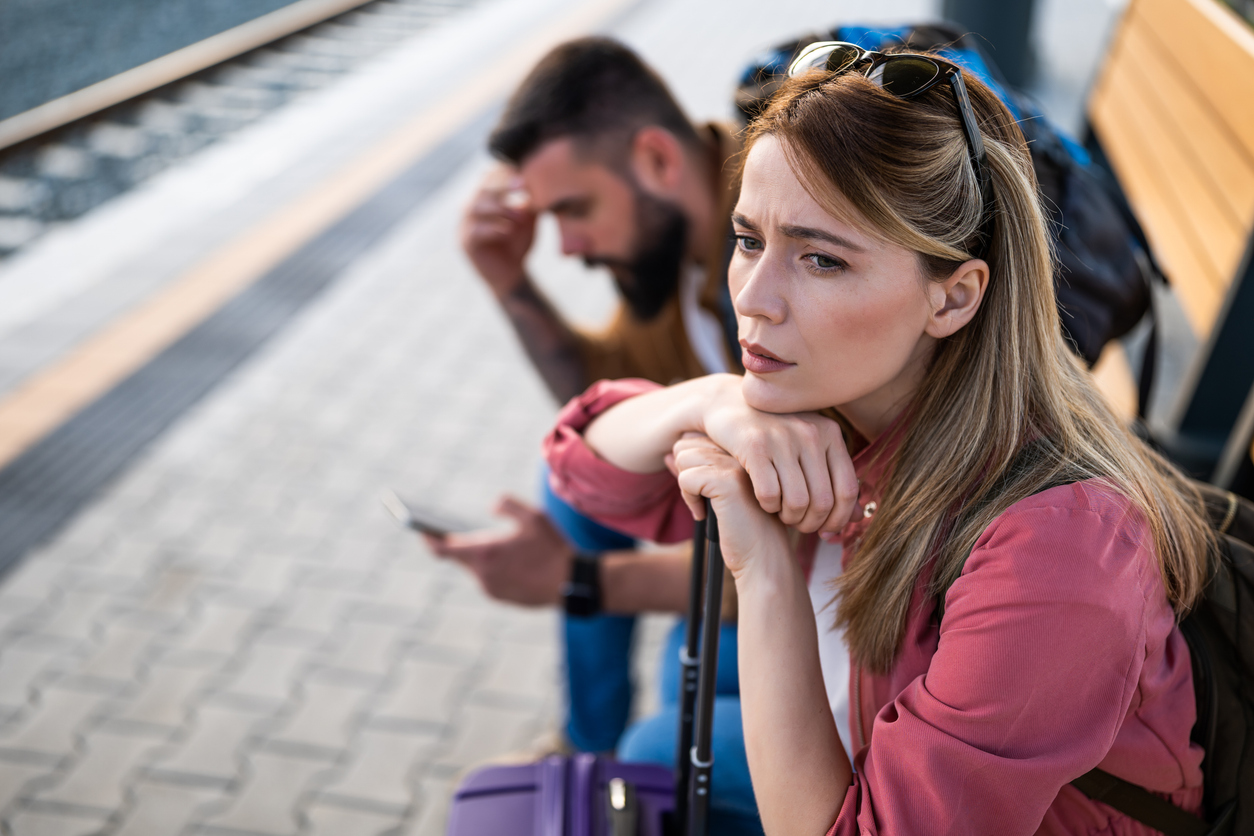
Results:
608 219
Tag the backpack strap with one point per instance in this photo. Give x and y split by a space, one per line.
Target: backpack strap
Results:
1140 804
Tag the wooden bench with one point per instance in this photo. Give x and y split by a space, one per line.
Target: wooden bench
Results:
1172 112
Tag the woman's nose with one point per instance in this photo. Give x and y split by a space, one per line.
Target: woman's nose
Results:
762 293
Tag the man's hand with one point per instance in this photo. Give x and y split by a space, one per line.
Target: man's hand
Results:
498 229
526 566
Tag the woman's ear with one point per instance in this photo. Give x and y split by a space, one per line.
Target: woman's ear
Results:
657 159
956 299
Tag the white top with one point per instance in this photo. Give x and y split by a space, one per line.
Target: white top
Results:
705 334
833 653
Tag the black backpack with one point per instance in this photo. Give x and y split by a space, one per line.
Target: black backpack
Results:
1105 266
1220 634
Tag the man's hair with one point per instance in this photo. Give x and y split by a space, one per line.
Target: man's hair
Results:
592 90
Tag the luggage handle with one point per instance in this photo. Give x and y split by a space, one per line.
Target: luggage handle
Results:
699 680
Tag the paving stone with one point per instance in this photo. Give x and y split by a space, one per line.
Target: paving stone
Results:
172 591
165 697
213 749
119 654
14 609
524 670
461 629
218 627
317 611
17 778
75 614
481 732
267 803
363 647
379 774
433 802
49 730
163 809
324 719
27 823
403 592
269 673
328 820
21 662
100 777
425 691
263 576
35 578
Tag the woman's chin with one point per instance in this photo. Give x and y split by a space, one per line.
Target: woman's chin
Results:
766 396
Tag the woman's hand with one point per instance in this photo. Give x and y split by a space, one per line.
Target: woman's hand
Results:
749 535
797 464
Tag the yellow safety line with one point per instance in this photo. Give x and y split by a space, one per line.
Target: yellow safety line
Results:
53 395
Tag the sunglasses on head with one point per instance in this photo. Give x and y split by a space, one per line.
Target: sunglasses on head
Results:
906 75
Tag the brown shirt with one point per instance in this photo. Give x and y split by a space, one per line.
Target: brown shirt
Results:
660 349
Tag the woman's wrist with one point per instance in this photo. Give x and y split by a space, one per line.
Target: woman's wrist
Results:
768 578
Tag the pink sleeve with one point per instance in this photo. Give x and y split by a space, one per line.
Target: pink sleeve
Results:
644 505
1045 636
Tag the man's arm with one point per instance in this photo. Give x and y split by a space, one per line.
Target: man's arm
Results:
497 232
530 564
550 343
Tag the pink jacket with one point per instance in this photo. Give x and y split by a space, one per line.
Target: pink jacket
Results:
1058 653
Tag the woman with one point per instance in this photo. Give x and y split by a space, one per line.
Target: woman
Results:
1014 560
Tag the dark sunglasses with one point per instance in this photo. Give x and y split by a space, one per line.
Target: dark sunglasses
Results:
906 75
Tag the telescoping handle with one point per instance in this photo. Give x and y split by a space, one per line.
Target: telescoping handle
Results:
701 758
688 665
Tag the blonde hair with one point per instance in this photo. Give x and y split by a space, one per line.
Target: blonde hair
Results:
1005 381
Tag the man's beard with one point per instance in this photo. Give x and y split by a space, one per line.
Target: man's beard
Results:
650 277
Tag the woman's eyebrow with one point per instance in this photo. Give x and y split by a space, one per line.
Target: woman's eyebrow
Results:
741 220
807 233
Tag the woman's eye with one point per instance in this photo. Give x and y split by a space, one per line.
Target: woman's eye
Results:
748 244
825 262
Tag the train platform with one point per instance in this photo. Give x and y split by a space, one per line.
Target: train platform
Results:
208 623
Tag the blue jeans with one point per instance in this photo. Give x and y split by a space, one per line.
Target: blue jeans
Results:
598 647
599 689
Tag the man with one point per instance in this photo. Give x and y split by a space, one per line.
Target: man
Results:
593 136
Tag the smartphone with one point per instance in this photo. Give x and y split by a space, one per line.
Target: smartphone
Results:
418 520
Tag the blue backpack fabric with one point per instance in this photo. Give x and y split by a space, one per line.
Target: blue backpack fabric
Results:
1105 266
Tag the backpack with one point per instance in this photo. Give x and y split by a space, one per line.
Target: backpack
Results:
1105 265
1219 631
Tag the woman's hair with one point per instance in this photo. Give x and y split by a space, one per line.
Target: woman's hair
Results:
1005 409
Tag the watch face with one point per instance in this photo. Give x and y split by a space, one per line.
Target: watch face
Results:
580 599
581 596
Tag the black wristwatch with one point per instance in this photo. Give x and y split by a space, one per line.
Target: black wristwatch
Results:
581 595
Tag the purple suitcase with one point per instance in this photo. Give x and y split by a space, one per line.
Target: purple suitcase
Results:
560 797
588 795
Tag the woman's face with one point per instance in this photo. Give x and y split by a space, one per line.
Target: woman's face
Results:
828 315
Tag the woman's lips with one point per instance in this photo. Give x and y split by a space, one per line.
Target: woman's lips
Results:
758 360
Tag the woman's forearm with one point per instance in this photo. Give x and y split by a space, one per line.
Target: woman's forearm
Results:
638 433
799 768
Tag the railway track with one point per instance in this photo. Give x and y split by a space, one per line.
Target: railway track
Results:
62 174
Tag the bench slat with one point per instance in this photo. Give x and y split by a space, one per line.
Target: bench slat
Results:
1196 277
1221 160
1178 150
1198 205
1216 53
